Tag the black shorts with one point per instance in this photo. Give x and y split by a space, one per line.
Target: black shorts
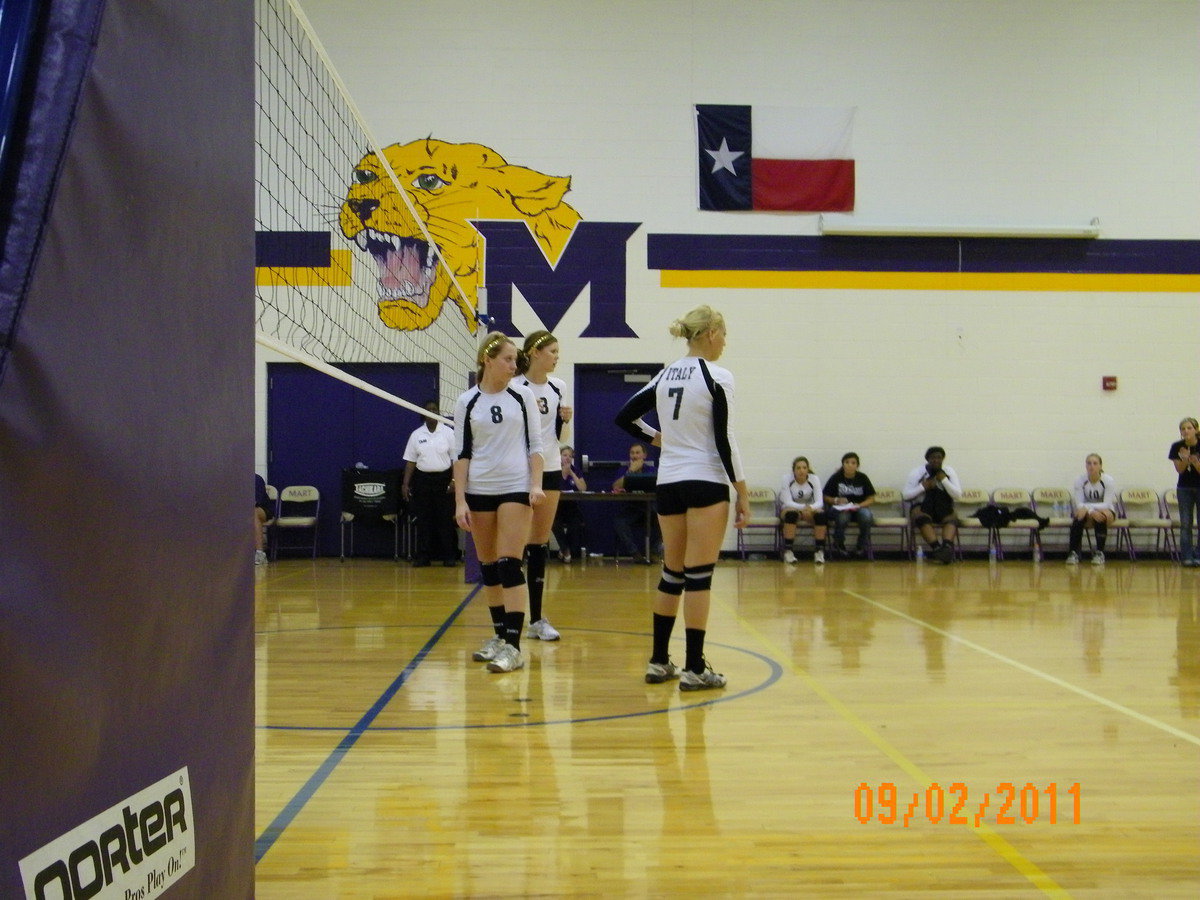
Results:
552 481
491 502
678 497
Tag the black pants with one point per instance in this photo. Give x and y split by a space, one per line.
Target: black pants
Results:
432 506
568 527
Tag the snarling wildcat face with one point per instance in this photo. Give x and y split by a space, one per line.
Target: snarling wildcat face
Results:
448 185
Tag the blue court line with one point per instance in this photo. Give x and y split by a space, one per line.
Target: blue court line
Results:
774 673
267 839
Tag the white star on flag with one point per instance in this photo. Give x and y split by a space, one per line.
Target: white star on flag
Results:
723 158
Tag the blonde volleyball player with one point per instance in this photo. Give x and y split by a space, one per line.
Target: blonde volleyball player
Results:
535 363
694 401
497 480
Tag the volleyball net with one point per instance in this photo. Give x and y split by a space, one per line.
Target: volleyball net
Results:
324 280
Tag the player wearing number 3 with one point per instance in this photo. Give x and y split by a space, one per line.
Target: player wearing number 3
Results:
535 363
693 398
497 481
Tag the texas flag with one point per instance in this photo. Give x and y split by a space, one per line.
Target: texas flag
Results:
775 158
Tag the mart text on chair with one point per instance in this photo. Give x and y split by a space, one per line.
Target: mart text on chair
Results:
299 509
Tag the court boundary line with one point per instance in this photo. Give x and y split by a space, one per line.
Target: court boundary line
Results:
265 841
1030 670
1005 850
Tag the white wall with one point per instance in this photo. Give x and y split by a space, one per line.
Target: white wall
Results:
969 111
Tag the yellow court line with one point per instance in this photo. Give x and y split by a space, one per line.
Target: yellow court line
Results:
929 281
1006 851
1037 673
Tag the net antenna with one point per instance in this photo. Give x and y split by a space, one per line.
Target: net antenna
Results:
316 296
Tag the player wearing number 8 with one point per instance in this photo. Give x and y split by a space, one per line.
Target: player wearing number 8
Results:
497 479
693 398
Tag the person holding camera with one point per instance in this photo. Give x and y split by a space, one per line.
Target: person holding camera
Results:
1185 454
932 490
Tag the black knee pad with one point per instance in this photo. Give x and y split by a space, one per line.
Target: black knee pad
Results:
510 571
671 582
491 574
791 517
920 520
698 578
819 517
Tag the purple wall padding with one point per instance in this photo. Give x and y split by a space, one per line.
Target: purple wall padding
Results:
59 55
126 453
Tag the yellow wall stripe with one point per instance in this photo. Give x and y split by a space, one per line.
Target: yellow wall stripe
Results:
336 274
931 281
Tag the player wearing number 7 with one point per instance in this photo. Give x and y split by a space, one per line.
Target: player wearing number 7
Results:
693 398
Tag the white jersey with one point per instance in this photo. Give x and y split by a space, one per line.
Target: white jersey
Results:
799 494
498 433
915 493
550 397
431 451
1100 494
694 402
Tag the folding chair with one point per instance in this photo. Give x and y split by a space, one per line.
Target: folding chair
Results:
1015 498
299 509
890 515
971 500
1142 510
392 519
1054 504
764 516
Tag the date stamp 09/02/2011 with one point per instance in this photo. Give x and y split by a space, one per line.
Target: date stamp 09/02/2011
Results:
1005 804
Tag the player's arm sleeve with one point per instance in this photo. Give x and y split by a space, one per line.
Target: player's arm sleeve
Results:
952 485
727 447
785 496
629 418
912 488
462 431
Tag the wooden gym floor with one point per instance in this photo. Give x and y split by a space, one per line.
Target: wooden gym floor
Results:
890 729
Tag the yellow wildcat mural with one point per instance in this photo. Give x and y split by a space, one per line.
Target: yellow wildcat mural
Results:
449 185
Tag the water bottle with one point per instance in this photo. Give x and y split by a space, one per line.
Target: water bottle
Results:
920 554
992 553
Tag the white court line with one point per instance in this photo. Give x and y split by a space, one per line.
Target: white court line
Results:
1045 676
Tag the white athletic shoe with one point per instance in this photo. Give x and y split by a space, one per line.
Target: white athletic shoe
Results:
1072 558
260 558
705 681
789 557
542 630
508 659
488 650
657 673
819 556
1098 558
